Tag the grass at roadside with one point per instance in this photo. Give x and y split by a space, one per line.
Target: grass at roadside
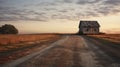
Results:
16 46
110 37
11 42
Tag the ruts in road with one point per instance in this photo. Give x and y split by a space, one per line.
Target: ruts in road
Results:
70 51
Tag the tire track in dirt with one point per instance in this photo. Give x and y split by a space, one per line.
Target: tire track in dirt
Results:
102 58
88 57
27 58
71 51
76 57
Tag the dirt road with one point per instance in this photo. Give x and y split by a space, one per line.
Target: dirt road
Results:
72 51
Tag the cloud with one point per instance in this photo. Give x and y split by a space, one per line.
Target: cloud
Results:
63 11
45 4
92 14
68 1
87 1
112 2
16 15
104 7
46 10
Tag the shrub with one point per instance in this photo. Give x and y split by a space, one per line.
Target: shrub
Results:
8 29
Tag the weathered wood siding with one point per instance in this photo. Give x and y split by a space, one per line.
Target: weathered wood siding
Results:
89 27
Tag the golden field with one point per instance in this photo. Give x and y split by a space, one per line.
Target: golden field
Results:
10 42
110 37
13 39
15 46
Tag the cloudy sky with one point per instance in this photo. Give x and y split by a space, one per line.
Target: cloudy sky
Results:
59 16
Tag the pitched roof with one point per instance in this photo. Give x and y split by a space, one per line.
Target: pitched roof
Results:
89 24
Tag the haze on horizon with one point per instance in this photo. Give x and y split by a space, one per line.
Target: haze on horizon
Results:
59 16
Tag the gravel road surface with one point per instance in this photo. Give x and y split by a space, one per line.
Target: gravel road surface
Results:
72 51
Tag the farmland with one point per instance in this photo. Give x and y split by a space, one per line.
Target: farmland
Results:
15 46
8 42
64 51
109 37
75 51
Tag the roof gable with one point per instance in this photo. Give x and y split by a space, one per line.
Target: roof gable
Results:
89 24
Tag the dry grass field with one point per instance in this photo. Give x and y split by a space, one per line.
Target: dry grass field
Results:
10 42
15 46
110 37
13 39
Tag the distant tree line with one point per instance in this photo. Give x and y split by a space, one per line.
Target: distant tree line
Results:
8 29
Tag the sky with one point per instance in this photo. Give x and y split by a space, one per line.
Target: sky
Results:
59 16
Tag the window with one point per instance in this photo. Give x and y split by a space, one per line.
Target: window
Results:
87 29
95 29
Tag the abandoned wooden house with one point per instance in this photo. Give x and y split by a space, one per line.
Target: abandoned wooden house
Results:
89 27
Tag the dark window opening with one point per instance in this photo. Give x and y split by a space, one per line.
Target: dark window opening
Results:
87 29
95 29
